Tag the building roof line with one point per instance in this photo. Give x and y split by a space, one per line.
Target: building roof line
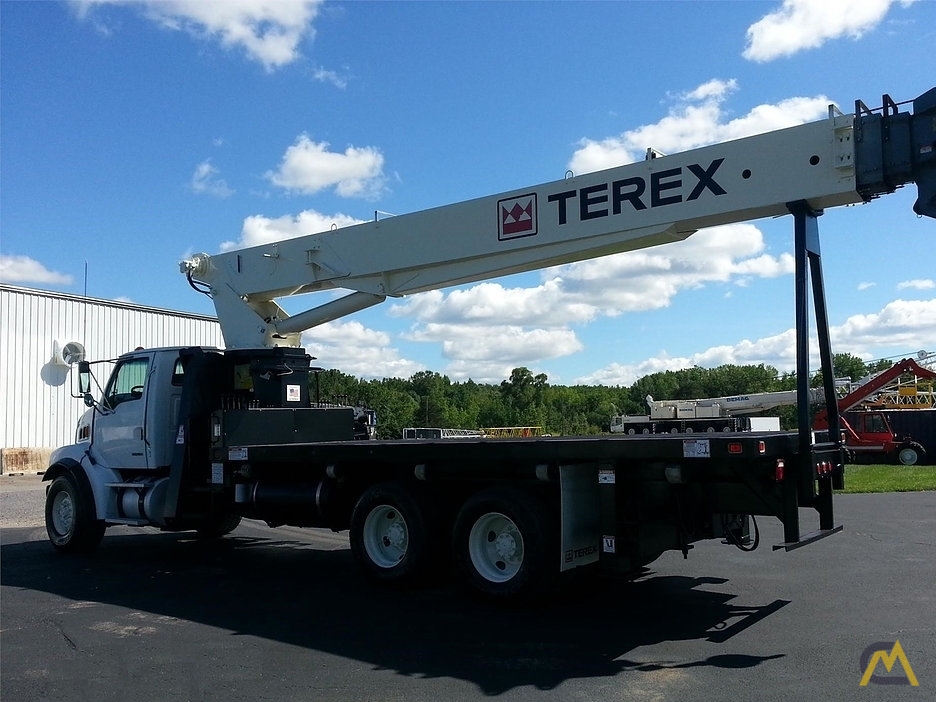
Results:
104 302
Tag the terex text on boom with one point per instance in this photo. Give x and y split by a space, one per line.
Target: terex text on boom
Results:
666 188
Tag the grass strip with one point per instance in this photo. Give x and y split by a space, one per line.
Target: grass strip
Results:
889 478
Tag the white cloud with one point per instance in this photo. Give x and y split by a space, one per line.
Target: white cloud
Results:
865 285
325 76
352 348
919 284
258 229
308 167
697 119
492 304
901 324
808 24
777 350
22 269
506 344
898 326
269 31
205 181
356 350
488 327
629 282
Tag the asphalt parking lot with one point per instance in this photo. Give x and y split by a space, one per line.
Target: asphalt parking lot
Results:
284 615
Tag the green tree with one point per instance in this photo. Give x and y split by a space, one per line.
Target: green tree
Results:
879 366
395 407
523 395
846 365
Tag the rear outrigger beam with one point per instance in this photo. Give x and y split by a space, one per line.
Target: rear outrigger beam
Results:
803 490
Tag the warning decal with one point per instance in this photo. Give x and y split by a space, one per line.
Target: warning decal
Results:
696 448
516 217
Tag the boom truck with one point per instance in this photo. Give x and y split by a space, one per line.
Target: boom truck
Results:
197 438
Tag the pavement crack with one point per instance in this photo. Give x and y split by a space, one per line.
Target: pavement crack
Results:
65 636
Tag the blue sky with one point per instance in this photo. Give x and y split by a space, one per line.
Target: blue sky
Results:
137 133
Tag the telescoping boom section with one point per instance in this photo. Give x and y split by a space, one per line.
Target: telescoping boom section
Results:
840 160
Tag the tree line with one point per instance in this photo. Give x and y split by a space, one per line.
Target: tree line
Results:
429 399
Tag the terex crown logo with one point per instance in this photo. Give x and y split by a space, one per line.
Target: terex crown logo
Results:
516 217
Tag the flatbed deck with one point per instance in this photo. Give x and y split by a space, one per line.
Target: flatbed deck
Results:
558 449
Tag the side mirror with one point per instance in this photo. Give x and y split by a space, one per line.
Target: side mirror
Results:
84 377
84 382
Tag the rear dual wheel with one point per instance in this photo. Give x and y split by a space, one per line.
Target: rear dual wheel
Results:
392 533
503 539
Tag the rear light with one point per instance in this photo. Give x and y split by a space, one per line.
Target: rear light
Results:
779 470
737 448
824 468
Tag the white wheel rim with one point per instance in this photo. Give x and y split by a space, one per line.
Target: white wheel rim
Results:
63 513
907 456
495 546
386 536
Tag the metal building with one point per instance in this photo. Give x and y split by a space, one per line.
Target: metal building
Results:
42 331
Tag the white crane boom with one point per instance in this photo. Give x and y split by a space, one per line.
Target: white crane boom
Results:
629 207
729 405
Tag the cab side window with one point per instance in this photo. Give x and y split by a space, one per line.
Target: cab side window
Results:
127 382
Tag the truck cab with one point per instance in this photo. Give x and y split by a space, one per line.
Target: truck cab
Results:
118 469
133 424
142 455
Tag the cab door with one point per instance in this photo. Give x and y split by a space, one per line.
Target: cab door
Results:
120 439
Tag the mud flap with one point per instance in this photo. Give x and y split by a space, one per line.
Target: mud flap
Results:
581 515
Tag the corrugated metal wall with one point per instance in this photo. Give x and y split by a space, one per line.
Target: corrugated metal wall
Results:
37 409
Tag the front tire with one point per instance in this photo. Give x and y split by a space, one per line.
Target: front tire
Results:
219 526
70 518
391 534
908 456
504 541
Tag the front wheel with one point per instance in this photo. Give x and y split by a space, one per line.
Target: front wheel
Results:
908 455
504 540
70 519
219 526
391 537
